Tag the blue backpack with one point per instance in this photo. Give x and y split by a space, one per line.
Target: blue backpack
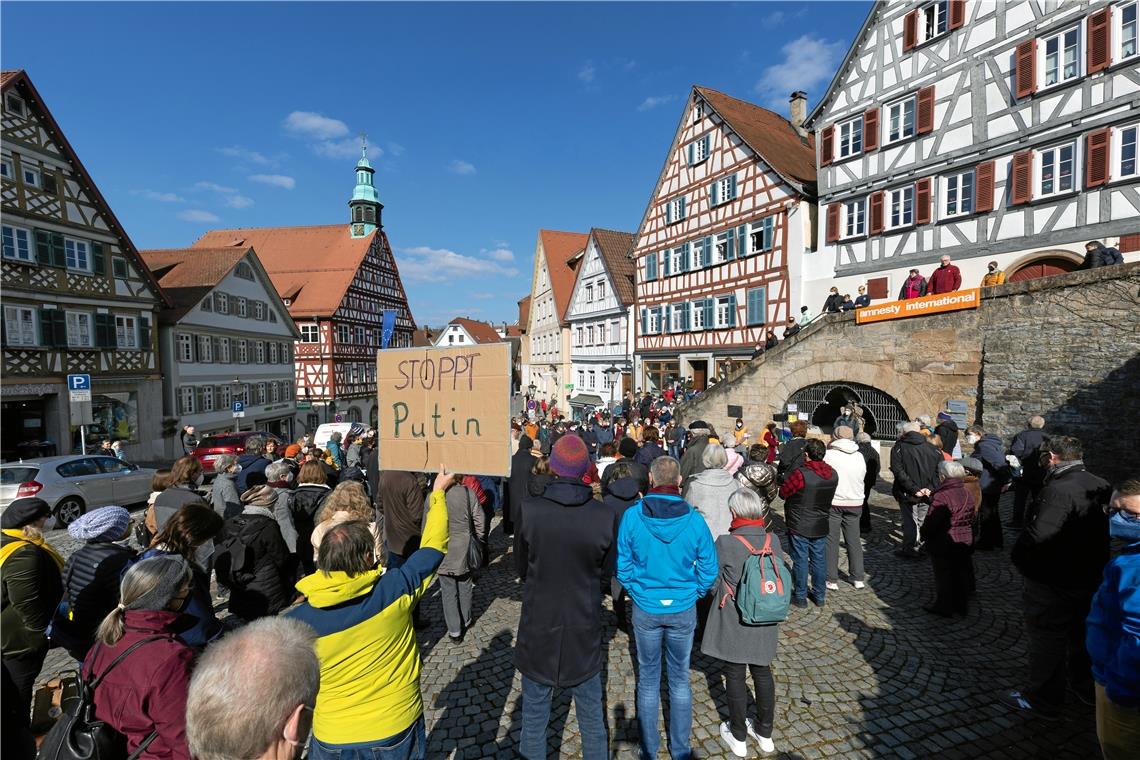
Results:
764 591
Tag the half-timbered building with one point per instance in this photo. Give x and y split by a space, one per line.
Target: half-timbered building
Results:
77 298
719 245
599 316
984 131
547 365
226 337
342 288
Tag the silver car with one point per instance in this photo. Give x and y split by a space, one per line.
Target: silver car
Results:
74 484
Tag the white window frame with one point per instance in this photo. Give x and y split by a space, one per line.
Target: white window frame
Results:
579 335
207 398
615 331
21 332
259 310
242 351
589 293
676 209
358 335
846 138
581 378
1039 170
241 307
901 104
186 394
223 351
724 192
225 396
184 344
677 263
698 111
8 169
722 309
1077 31
205 348
758 228
77 323
702 148
259 352
1118 31
678 322
1116 170
951 203
697 314
601 289
24 252
590 335
31 176
310 333
939 19
890 198
78 248
655 320
849 228
221 303
127 327
274 352
721 242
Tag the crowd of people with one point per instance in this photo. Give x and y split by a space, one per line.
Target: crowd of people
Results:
320 559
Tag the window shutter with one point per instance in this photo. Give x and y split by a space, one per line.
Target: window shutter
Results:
144 333
924 119
43 248
742 241
1025 65
732 310
755 307
1099 36
668 213
684 307
47 336
98 260
49 183
104 331
833 222
713 199
666 317
730 245
957 14
58 252
876 225
706 252
877 288
692 154
1096 157
59 327
684 207
910 31
1021 177
731 188
922 201
769 233
709 307
644 321
666 262
870 129
827 145
684 259
984 187
4 331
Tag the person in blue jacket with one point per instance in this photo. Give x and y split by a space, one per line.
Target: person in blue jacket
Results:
1113 631
666 561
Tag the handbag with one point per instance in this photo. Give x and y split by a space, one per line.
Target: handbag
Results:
476 551
78 735
48 701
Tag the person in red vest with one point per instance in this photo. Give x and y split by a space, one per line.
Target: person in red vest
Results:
945 279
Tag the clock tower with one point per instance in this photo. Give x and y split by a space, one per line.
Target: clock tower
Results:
365 206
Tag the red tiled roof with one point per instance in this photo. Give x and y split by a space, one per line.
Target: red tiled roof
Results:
311 266
614 247
560 247
7 76
480 332
422 337
514 331
772 136
524 312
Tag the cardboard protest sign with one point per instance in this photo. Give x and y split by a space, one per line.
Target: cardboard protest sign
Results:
447 406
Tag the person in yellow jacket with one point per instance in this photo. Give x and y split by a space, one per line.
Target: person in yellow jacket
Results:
993 276
370 701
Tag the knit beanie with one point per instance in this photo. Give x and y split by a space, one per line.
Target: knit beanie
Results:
735 460
172 571
844 432
292 450
627 448
108 523
569 458
23 512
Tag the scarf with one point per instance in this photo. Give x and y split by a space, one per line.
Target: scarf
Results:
741 522
12 546
671 490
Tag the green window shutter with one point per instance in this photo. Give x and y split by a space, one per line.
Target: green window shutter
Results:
692 154
707 140
730 245
98 260
651 267
709 305
666 324
684 308
755 307
769 232
104 331
43 248
58 327
144 333
684 210
706 252
732 311
685 252
47 337
668 212
666 262
732 188
644 321
742 241
58 254
713 200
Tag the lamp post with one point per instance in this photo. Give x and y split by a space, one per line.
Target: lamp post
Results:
234 397
532 388
612 374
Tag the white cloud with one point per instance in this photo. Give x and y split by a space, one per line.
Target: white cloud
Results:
197 215
587 72
245 154
775 18
238 201
229 195
276 180
501 253
653 101
154 195
395 149
808 63
349 147
310 124
425 264
484 296
461 167
215 187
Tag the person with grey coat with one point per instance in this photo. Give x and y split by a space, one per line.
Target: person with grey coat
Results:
739 646
708 490
224 494
463 514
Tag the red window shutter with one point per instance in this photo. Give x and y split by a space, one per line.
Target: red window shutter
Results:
924 121
876 213
1096 157
1025 73
984 187
957 14
922 201
1099 31
910 31
870 129
827 150
833 222
1021 177
1129 243
877 288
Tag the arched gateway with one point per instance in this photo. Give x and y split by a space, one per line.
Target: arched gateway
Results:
820 404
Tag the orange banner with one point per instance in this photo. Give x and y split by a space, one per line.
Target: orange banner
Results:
920 307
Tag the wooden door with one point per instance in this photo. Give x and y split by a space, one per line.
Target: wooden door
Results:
1045 267
700 375
626 383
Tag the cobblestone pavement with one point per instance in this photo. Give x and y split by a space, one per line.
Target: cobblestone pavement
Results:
868 676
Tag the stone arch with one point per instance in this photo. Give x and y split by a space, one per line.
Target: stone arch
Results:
913 399
1043 264
820 404
353 414
374 417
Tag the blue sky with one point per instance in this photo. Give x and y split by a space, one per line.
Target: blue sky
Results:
487 121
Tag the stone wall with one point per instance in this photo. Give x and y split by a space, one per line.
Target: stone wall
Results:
1066 347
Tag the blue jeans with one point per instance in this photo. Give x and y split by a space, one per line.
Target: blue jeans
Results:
672 632
536 718
805 552
409 744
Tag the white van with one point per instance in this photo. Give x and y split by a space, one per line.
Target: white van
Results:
325 431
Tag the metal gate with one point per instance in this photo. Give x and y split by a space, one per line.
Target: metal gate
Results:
820 405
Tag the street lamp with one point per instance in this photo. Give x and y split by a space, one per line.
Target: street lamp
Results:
612 374
532 388
234 397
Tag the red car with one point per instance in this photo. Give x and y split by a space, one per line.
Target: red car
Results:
213 446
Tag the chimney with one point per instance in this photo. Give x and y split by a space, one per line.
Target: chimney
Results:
799 111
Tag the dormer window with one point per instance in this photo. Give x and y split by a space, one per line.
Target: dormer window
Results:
244 271
699 150
14 104
698 110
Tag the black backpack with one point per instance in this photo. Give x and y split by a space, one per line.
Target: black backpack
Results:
78 735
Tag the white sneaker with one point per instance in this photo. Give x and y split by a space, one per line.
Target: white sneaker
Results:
860 584
832 586
765 742
739 748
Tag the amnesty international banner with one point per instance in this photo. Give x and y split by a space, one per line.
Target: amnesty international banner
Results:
920 307
446 406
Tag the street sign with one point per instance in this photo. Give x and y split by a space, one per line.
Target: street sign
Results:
238 408
79 388
338 418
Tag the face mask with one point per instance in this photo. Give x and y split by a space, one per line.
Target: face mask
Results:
971 439
739 425
236 469
1124 525
50 524
992 268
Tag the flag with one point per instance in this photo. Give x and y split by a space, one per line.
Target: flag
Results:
389 327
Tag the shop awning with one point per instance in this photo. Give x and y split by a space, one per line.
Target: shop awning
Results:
587 399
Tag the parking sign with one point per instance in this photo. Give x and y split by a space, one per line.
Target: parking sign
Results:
79 387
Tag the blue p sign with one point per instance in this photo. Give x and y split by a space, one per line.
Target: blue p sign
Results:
79 382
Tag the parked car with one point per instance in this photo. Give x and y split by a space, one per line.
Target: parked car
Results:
211 447
325 431
74 484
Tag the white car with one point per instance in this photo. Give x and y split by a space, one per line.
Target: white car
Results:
74 484
325 431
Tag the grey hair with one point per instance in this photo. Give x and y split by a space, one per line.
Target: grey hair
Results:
278 470
714 457
977 430
241 696
746 503
665 471
863 438
224 462
949 469
909 427
1036 422
347 547
844 432
147 585
255 444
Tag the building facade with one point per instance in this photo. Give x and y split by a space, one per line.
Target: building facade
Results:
719 246
984 131
599 316
342 288
77 298
227 337
548 361
463 331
